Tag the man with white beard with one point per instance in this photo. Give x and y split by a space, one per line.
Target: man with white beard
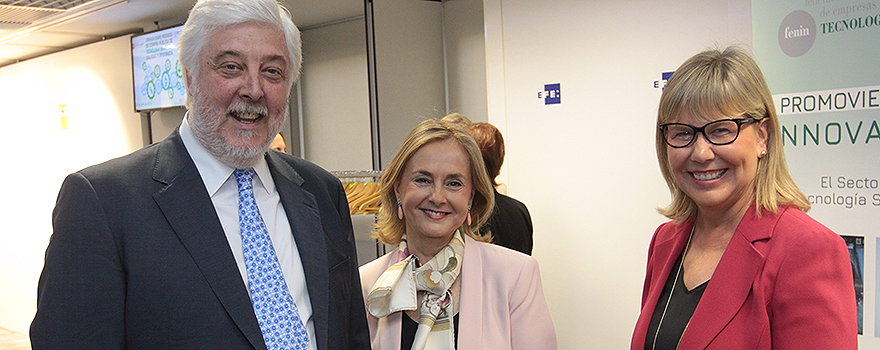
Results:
207 239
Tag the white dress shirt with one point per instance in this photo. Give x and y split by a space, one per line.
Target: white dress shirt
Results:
223 189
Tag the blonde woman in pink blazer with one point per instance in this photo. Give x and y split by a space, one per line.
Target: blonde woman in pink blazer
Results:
445 287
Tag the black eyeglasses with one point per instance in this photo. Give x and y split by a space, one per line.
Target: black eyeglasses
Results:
719 132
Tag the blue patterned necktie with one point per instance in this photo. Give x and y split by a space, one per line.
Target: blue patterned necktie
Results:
274 306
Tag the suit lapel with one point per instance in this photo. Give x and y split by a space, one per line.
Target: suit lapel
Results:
190 212
670 248
667 246
730 285
471 308
302 212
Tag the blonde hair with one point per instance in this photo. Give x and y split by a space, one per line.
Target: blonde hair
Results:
726 82
457 118
389 228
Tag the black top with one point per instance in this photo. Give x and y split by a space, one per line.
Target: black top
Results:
510 224
678 313
410 326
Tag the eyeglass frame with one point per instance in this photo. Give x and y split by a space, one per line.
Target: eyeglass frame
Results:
700 130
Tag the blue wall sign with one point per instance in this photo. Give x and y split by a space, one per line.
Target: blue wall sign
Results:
551 94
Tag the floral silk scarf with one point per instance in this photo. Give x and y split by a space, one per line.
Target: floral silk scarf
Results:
407 287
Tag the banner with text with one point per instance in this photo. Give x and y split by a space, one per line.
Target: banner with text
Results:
820 58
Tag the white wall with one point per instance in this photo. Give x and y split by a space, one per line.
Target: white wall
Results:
409 68
586 168
465 53
335 96
95 83
336 108
164 122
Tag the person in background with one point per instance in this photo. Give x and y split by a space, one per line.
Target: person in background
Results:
278 143
444 287
741 265
510 223
205 240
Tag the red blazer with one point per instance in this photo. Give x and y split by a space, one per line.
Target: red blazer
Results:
784 282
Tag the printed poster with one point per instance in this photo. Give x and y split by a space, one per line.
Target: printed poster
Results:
820 58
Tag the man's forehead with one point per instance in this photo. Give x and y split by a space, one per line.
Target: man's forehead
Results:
238 40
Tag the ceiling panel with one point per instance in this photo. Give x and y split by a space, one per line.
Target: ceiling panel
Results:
128 17
134 16
24 15
44 4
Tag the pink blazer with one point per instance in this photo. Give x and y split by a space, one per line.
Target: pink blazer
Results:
502 302
784 282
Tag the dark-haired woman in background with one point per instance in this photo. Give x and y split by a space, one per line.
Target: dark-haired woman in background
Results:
510 223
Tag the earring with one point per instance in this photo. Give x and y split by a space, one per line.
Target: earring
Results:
399 210
469 215
763 153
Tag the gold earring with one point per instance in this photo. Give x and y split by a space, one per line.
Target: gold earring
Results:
763 153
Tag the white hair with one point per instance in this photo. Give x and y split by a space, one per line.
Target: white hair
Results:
209 16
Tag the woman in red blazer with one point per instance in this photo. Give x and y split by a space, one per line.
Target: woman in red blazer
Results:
740 266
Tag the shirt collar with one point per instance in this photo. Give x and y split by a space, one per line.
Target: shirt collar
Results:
213 172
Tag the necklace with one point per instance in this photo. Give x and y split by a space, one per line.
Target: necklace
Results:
677 274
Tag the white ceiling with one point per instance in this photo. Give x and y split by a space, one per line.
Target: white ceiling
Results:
94 20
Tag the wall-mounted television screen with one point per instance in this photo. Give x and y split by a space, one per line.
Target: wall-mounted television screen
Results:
158 77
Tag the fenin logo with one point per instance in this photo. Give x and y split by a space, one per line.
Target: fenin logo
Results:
797 33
